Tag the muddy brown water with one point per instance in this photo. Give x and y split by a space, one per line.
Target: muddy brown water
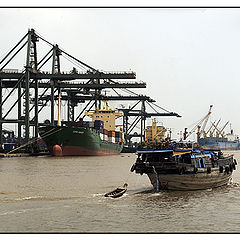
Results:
49 194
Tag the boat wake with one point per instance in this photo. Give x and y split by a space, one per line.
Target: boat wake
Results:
44 198
97 194
234 185
25 210
29 198
156 194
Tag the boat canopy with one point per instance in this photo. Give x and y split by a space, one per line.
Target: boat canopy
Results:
180 153
153 151
201 155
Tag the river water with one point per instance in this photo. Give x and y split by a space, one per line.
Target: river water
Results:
49 194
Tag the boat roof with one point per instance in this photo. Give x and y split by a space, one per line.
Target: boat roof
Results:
180 153
153 151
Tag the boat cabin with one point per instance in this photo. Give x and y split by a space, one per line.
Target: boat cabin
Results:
170 161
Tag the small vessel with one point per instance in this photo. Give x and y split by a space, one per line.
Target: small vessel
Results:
184 168
118 192
85 138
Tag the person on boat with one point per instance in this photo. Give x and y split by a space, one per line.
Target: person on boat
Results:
214 157
167 143
220 154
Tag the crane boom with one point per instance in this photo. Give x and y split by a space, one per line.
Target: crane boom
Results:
210 128
221 131
204 119
211 134
215 128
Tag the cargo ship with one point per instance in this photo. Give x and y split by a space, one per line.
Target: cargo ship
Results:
219 140
214 138
85 138
220 143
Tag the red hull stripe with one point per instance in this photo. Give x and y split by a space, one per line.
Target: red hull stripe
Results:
81 151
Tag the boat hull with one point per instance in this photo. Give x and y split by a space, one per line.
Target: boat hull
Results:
218 144
188 182
69 141
116 194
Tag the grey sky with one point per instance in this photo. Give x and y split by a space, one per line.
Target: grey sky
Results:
189 58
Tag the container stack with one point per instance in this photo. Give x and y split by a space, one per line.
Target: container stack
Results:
85 124
111 136
91 125
98 124
101 133
9 144
118 136
105 135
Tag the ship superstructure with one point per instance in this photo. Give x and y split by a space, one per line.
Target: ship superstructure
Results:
155 133
106 115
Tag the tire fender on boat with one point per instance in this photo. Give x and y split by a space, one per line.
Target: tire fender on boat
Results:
221 169
227 170
181 170
209 169
235 161
233 166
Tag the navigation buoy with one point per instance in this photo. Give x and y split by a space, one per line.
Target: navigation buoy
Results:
57 151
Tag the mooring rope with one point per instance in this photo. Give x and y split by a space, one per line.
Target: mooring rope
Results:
34 140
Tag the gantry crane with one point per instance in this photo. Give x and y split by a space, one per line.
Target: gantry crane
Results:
75 87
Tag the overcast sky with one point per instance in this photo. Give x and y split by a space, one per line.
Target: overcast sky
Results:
189 58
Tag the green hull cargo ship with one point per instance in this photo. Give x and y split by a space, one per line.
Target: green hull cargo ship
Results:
85 138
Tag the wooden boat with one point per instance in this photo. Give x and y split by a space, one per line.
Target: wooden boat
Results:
185 169
118 192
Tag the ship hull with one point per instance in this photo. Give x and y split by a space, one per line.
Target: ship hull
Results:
218 144
188 182
219 147
70 141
